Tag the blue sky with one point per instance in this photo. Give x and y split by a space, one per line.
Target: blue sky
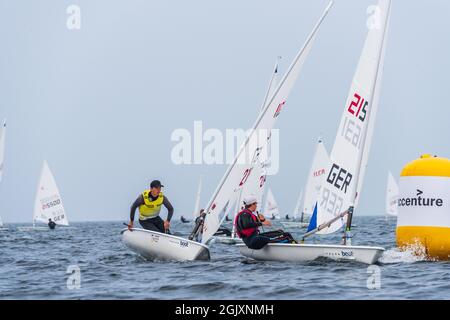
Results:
100 103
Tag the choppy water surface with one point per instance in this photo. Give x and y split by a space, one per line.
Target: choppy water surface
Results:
33 265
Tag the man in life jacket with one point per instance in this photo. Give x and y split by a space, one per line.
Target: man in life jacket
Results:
51 224
247 225
149 204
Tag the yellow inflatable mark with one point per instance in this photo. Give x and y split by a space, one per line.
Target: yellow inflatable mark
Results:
424 206
436 240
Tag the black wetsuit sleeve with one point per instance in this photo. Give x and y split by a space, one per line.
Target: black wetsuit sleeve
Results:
139 201
246 221
169 208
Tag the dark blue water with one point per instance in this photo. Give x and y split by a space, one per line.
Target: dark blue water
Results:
33 265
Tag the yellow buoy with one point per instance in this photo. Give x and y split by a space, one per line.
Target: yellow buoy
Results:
424 206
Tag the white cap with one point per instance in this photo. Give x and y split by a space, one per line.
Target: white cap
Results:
250 199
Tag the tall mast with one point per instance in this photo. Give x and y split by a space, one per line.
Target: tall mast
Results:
374 93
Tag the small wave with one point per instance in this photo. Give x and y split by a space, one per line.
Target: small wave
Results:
410 254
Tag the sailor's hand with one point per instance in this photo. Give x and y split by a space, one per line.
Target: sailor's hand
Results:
130 225
261 218
266 223
167 225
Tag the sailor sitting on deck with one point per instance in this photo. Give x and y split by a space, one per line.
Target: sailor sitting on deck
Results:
247 225
51 224
149 204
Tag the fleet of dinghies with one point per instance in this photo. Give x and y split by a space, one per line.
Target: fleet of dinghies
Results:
341 189
331 192
164 246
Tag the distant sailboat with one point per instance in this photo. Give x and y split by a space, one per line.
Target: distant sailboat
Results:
271 209
48 202
298 207
315 179
196 212
391 196
184 220
2 159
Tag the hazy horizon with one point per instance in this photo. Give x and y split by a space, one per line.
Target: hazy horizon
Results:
100 103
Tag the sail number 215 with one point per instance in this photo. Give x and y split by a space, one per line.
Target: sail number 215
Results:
358 107
352 128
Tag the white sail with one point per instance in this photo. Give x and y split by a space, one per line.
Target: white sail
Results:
48 203
373 113
2 147
197 199
271 206
316 175
2 154
350 149
298 206
391 195
256 181
239 171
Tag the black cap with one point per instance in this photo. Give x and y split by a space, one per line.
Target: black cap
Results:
156 184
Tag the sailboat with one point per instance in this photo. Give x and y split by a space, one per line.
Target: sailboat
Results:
256 180
152 244
271 210
2 160
339 192
196 211
255 184
292 221
316 175
391 196
48 203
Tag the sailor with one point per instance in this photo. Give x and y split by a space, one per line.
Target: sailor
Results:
184 220
51 224
247 225
149 204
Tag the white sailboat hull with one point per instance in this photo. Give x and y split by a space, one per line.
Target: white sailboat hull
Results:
155 245
33 228
227 240
308 252
294 224
42 228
